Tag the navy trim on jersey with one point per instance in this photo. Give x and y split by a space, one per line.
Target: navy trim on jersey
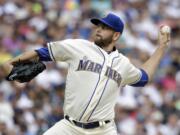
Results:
142 81
94 88
43 54
103 89
49 45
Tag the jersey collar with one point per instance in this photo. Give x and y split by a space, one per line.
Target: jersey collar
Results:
114 49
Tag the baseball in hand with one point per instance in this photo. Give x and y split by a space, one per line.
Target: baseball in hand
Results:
165 29
164 35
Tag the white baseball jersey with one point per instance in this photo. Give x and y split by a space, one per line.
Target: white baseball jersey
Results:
93 79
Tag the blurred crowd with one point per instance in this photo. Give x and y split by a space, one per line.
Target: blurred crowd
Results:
31 108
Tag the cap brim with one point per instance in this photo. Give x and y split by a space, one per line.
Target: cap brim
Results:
97 21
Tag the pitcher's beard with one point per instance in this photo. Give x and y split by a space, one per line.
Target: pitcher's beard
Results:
103 42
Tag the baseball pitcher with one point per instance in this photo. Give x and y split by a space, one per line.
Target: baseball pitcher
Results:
95 73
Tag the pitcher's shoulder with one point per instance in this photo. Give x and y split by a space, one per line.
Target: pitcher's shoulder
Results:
83 41
123 58
73 42
121 54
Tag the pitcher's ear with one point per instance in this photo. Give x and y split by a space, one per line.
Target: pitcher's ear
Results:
116 36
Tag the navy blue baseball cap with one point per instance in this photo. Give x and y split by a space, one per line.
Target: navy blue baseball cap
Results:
111 20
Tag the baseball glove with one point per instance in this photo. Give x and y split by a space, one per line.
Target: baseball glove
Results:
25 71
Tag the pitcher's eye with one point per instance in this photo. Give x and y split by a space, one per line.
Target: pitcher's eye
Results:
103 26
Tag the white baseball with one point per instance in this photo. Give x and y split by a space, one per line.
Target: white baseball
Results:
165 29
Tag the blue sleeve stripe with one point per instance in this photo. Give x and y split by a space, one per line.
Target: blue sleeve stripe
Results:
142 81
43 54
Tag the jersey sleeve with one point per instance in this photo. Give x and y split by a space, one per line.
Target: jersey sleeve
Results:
131 74
142 81
63 50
